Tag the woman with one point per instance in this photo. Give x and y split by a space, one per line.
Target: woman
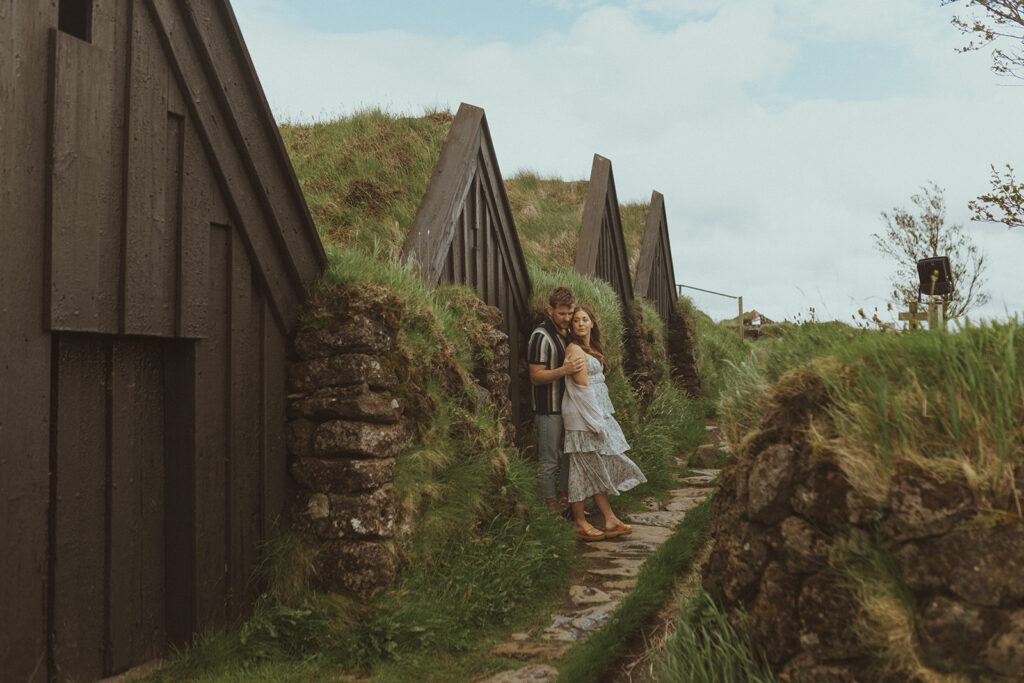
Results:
594 442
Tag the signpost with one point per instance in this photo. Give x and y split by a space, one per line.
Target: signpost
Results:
935 317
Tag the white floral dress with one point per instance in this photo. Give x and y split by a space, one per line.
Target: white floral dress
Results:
597 460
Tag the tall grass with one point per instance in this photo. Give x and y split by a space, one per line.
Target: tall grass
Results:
948 401
707 648
944 401
364 175
747 380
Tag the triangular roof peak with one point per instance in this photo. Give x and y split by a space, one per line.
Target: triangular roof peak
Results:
231 110
177 124
602 247
655 276
465 210
464 231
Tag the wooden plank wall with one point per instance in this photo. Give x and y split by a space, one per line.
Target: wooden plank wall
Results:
162 460
655 275
142 458
602 247
25 354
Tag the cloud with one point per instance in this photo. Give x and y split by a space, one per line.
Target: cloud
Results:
773 184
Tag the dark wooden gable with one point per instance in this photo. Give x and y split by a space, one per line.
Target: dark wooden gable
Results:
154 249
655 276
131 112
464 231
602 248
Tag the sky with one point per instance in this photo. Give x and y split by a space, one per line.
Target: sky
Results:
777 130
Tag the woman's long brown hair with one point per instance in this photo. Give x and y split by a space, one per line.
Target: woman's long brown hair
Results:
595 348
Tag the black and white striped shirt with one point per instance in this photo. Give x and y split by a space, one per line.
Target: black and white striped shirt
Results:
547 348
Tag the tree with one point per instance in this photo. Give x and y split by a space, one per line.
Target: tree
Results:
1004 204
1002 22
909 238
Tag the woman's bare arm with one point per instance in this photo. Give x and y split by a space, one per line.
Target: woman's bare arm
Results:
574 352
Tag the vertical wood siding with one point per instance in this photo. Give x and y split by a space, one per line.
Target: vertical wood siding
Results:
464 232
602 248
25 354
655 275
154 249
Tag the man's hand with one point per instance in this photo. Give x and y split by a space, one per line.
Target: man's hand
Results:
573 365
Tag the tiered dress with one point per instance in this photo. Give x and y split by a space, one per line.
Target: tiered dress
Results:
594 442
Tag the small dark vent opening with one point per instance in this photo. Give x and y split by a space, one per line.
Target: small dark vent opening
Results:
75 18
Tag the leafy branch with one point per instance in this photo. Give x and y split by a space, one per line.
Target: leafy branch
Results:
1002 20
1004 204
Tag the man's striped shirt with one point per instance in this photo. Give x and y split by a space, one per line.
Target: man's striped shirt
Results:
547 348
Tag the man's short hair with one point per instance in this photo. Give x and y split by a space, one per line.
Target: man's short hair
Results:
561 296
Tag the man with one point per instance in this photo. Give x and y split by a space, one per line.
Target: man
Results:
548 367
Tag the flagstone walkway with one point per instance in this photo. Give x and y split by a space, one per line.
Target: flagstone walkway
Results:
609 572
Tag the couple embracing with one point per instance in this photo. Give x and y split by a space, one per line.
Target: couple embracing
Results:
572 408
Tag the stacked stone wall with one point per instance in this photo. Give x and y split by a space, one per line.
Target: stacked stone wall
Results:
355 401
786 520
346 425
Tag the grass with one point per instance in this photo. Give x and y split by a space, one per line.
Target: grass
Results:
945 403
949 402
718 349
455 597
707 648
549 214
363 175
590 659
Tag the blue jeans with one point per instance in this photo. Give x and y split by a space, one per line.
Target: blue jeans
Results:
550 436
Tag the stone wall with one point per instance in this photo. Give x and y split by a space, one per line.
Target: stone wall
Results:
356 399
345 427
786 521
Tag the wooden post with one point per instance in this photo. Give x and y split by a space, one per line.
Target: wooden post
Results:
741 317
936 315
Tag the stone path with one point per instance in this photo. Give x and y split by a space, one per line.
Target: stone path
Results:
610 568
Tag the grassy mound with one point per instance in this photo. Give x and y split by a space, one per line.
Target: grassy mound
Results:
364 175
549 212
931 417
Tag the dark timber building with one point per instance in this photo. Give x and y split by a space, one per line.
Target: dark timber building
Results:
464 232
154 248
602 248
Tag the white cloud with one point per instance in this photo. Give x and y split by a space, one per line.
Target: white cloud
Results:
769 194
